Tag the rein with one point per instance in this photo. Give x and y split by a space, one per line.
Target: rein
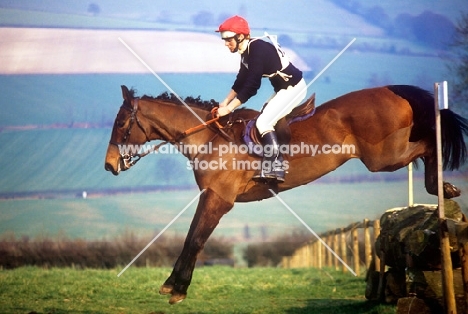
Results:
194 129
186 133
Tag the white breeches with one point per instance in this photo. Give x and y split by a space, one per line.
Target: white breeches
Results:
279 105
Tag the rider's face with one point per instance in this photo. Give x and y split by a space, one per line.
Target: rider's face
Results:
231 43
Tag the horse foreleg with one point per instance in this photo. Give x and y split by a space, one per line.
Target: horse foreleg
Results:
210 209
431 179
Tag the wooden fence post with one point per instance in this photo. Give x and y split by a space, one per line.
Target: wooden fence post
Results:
304 256
343 250
336 246
355 237
313 250
330 245
319 254
367 243
313 255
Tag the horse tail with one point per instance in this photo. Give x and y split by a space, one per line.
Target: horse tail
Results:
453 129
453 126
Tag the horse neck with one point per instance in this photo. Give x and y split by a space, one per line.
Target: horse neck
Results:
169 120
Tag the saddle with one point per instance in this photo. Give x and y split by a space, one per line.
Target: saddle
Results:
251 136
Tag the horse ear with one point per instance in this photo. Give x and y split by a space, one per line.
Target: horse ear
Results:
312 98
126 94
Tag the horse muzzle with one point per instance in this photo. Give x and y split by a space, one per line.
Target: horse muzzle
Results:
115 171
124 162
115 161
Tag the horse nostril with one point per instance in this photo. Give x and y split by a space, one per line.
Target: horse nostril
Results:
108 167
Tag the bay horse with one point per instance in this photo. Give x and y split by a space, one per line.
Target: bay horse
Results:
385 127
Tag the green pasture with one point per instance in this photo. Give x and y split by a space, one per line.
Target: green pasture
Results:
213 290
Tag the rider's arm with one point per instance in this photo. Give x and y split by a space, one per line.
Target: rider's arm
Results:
230 96
234 104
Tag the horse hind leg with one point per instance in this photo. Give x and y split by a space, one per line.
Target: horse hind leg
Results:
431 179
210 209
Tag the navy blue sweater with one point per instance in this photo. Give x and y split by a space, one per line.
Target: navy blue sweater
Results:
261 58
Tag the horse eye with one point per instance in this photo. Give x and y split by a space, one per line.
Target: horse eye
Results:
120 123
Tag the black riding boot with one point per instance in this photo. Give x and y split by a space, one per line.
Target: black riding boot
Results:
272 163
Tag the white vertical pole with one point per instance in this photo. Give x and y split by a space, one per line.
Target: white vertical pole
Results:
410 184
439 90
440 93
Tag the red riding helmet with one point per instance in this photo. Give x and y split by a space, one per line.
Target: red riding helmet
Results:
233 26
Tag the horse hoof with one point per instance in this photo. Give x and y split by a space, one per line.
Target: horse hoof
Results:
451 191
165 289
177 298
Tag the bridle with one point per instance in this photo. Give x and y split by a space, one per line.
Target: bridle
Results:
130 159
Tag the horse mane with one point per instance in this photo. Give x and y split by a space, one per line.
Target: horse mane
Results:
172 98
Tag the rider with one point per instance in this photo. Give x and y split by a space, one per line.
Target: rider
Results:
260 58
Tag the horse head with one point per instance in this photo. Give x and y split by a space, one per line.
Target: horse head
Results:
128 134
145 119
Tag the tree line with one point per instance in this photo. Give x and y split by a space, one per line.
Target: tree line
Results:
60 251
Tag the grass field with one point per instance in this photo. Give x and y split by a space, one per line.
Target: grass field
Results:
213 290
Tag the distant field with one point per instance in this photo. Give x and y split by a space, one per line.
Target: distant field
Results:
213 290
95 98
109 216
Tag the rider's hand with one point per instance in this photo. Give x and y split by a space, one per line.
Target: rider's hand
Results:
224 103
223 111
